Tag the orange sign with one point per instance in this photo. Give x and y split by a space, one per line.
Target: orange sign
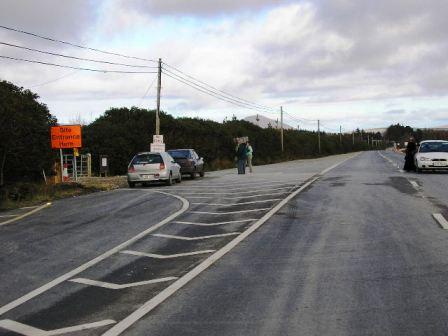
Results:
66 136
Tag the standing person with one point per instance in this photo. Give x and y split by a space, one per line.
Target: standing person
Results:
241 156
411 148
249 153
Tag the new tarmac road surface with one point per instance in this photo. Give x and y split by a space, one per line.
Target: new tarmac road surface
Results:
343 245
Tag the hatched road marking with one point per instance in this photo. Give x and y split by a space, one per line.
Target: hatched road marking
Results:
110 285
441 220
242 203
161 235
238 197
162 256
27 330
233 193
216 224
26 214
229 212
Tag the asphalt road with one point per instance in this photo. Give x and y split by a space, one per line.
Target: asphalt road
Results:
349 251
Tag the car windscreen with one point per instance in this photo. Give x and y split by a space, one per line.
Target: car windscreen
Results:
147 159
180 154
427 147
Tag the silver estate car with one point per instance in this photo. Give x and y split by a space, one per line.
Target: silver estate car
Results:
149 167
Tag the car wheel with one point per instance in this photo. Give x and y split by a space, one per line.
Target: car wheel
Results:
179 179
169 182
201 174
131 184
193 176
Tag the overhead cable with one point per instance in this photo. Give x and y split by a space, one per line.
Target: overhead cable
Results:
74 44
214 93
77 68
76 58
210 87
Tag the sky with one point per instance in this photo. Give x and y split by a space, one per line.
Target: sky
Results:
349 63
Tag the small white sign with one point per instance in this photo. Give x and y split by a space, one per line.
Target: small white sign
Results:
157 139
156 147
104 162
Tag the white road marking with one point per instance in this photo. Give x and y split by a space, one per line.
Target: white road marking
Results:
242 203
241 184
233 193
27 330
235 189
228 212
195 238
166 256
441 220
25 214
175 286
30 207
8 215
414 184
110 285
83 267
215 224
237 197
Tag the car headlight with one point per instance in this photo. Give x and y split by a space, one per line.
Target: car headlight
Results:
422 158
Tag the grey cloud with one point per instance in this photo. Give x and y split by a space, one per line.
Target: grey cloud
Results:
199 7
396 112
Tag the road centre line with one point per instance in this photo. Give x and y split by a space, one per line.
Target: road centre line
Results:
238 197
83 267
216 224
25 214
233 193
441 220
242 203
110 285
27 330
228 212
186 278
161 235
166 256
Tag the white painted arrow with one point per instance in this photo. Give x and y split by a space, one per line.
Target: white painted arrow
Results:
166 256
27 330
110 285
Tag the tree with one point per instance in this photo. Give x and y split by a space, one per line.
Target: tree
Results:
25 137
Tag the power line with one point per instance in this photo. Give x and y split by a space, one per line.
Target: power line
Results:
210 93
74 44
218 91
77 68
71 73
147 90
215 94
300 119
76 58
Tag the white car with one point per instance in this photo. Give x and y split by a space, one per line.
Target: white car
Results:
149 167
432 155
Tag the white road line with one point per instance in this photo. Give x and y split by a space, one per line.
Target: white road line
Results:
228 212
241 184
242 203
216 224
8 216
27 330
175 286
166 256
441 220
25 215
237 197
83 267
235 189
233 193
414 184
196 238
110 285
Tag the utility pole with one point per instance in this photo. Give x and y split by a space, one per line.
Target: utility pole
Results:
159 87
281 125
318 134
353 138
340 135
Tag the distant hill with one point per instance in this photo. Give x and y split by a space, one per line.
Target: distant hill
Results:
265 122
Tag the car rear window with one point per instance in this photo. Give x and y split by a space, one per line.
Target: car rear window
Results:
427 147
180 154
147 159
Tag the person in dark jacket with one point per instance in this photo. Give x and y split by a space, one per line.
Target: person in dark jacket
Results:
241 155
411 148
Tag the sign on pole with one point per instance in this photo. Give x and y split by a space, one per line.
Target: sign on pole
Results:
157 144
67 136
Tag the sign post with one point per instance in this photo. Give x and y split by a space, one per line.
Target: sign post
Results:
157 144
66 136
